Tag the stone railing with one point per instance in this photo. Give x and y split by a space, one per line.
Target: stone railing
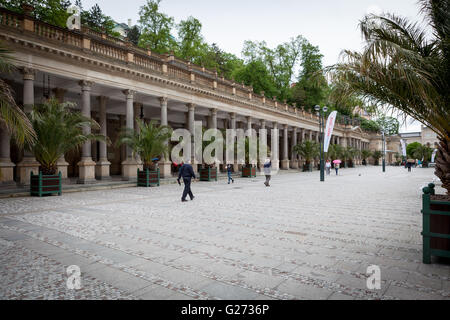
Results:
164 65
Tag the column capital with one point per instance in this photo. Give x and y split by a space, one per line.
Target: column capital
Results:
233 115
249 118
263 122
128 93
28 73
163 100
85 85
214 111
190 106
285 126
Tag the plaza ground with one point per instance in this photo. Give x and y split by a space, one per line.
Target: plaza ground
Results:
299 239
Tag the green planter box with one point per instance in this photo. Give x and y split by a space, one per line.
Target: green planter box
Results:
248 172
208 174
41 185
147 178
436 226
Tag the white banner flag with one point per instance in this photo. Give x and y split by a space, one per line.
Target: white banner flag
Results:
329 130
403 147
433 156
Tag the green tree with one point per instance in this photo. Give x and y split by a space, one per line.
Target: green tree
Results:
376 155
255 74
366 154
411 148
155 28
389 125
190 43
50 11
311 87
133 35
59 130
149 141
407 68
98 21
212 57
424 153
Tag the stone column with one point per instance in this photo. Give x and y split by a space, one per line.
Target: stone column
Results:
276 164
191 124
234 127
165 164
262 140
6 166
249 125
86 165
294 160
103 165
28 163
130 165
213 124
310 135
285 161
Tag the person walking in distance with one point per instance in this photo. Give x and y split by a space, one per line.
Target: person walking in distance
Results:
328 167
229 171
267 171
336 167
187 173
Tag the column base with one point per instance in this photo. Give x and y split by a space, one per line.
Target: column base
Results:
284 164
62 166
24 169
165 169
6 173
102 170
87 172
275 164
294 164
129 170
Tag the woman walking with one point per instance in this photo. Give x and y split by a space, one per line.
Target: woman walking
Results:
328 167
336 167
229 171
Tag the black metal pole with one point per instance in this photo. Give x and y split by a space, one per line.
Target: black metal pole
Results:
322 168
384 153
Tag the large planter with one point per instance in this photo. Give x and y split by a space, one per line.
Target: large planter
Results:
208 174
41 185
436 225
248 171
147 178
307 167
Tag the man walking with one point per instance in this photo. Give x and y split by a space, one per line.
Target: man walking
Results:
267 171
229 171
187 173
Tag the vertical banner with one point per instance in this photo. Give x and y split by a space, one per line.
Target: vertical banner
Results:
329 130
433 156
403 147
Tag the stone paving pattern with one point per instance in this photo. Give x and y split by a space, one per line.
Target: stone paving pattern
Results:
299 239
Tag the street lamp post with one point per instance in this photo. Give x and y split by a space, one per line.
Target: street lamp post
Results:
321 115
384 150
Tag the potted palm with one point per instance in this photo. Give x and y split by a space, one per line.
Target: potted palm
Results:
308 150
351 153
59 130
365 154
376 155
423 153
149 142
334 153
209 172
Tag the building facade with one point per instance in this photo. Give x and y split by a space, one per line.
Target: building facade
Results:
114 83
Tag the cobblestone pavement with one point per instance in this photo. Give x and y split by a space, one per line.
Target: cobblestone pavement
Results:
299 239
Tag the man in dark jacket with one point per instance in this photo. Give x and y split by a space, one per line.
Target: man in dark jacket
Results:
187 173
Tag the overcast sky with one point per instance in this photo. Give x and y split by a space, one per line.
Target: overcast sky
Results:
330 24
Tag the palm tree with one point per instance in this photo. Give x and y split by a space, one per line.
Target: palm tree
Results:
59 130
376 155
11 115
423 152
365 154
308 150
149 141
402 67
